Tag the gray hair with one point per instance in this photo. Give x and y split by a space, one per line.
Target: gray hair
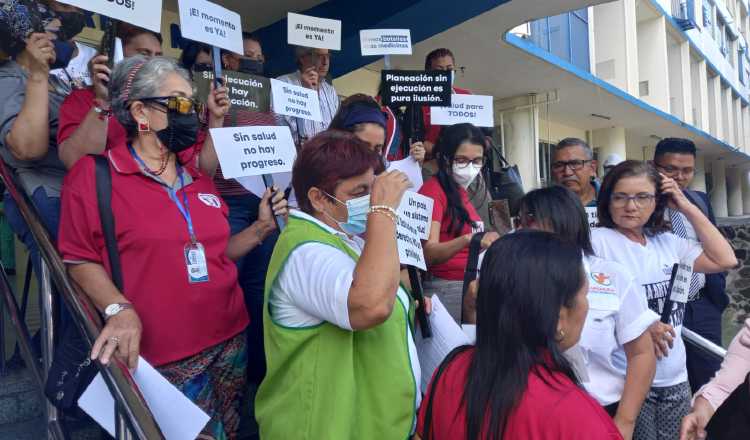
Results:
575 142
302 51
135 78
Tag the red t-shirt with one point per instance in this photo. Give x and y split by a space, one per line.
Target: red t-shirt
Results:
432 132
179 319
78 104
551 408
454 268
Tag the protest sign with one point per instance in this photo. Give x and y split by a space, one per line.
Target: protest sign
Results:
209 23
385 41
411 168
296 101
412 87
414 219
307 31
246 92
146 14
472 109
592 216
681 286
253 151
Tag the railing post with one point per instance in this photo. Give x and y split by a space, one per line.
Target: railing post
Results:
122 432
47 332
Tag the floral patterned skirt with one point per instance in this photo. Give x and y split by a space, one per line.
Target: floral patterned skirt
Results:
214 379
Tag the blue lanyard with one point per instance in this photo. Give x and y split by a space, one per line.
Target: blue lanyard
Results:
183 207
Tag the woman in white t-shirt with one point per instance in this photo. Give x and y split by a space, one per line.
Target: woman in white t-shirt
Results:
617 349
634 233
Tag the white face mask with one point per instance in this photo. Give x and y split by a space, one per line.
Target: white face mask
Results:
465 175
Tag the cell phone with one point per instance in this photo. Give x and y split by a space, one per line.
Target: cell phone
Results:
109 42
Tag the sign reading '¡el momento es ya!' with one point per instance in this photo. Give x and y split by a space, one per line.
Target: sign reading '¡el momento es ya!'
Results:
254 151
307 31
209 23
416 87
143 13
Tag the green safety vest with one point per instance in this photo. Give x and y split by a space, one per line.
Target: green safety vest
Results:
326 383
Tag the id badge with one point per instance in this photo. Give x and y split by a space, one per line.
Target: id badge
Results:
195 259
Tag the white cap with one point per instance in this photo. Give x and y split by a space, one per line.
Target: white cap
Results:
612 160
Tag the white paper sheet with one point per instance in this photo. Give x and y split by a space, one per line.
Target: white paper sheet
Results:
412 169
446 335
177 416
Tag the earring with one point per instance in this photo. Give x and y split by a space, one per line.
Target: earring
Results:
560 335
144 127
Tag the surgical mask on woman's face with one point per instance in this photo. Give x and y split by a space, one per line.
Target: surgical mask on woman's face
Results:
356 218
63 53
464 175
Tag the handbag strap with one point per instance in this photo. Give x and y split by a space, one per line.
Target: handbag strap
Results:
471 266
104 201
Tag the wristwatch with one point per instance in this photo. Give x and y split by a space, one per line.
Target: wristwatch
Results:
115 308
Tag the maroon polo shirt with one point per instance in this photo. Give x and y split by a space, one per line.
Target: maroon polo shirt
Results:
179 319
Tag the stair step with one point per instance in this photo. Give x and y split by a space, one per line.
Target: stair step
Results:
20 401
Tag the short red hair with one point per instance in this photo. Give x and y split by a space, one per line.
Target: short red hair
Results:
327 159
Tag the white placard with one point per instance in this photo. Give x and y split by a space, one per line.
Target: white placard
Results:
681 286
296 101
307 31
385 41
254 151
474 109
411 168
592 215
143 13
209 23
413 225
177 416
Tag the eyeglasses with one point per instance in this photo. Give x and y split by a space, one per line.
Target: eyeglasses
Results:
620 200
574 165
671 171
463 162
177 104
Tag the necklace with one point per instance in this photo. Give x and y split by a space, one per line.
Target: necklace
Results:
162 166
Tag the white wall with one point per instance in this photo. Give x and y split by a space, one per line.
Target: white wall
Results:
652 62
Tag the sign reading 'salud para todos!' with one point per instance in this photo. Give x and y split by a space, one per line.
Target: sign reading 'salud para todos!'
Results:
416 87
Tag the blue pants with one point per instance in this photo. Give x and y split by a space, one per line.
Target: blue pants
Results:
703 317
48 209
252 268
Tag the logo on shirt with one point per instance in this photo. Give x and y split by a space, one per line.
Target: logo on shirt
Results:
667 269
210 200
601 278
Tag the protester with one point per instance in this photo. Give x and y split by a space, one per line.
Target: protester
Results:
675 158
312 65
619 354
196 58
251 61
610 162
710 397
337 324
438 59
31 99
186 319
516 383
634 233
460 155
574 167
362 115
244 208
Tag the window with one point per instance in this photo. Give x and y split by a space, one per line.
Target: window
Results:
565 36
707 22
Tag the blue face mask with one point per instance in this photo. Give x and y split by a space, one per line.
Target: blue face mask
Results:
357 210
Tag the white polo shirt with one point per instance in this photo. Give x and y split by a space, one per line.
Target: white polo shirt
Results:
313 287
618 314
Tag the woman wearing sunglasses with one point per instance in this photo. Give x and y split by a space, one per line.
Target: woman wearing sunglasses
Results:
460 158
181 307
635 234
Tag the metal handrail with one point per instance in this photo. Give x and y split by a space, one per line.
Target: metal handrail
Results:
703 344
129 402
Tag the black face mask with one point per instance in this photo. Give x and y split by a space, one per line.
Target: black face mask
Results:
181 132
72 24
252 67
202 67
63 53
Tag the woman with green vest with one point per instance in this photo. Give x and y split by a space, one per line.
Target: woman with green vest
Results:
342 362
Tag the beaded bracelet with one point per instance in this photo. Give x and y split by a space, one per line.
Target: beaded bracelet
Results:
385 208
374 210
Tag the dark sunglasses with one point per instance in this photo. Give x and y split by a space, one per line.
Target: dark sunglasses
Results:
177 104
